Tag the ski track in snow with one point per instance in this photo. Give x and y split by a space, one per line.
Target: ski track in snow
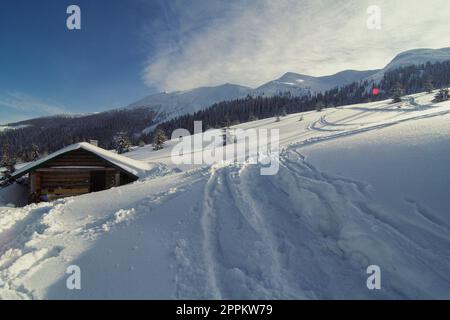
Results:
283 247
302 233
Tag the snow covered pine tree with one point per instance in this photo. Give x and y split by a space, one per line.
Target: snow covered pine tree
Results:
159 139
122 143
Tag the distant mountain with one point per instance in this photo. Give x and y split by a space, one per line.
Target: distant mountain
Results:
419 56
53 133
300 84
165 106
412 57
170 105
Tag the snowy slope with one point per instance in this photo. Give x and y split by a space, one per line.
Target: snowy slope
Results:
419 56
170 105
299 84
358 185
4 128
412 57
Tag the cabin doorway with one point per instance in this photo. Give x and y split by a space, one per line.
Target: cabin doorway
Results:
98 181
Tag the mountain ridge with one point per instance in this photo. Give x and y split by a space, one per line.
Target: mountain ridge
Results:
168 105
296 84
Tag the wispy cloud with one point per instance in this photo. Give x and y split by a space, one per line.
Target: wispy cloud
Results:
249 42
17 105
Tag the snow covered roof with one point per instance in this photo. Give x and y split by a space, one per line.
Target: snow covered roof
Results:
133 167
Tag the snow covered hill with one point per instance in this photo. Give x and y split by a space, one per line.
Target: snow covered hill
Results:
299 84
412 57
4 128
419 56
170 105
358 185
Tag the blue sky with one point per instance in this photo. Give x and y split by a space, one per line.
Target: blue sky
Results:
128 49
46 69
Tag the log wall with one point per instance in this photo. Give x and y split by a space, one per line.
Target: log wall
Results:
71 174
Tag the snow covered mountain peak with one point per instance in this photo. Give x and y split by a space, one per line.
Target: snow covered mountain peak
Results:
173 104
419 56
412 57
293 77
300 84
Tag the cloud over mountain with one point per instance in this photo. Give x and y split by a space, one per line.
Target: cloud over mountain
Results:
249 43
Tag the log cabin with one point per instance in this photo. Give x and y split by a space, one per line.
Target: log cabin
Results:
75 170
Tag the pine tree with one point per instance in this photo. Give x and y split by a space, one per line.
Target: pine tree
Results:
226 122
34 154
8 163
442 95
397 93
319 106
428 85
122 143
159 139
224 136
252 117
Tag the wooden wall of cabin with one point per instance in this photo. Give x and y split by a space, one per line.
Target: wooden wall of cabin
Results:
72 174
56 185
125 179
50 184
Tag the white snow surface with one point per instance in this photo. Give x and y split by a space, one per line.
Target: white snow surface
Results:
5 128
358 185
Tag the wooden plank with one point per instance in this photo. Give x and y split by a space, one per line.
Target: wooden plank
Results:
71 191
86 180
71 186
67 178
